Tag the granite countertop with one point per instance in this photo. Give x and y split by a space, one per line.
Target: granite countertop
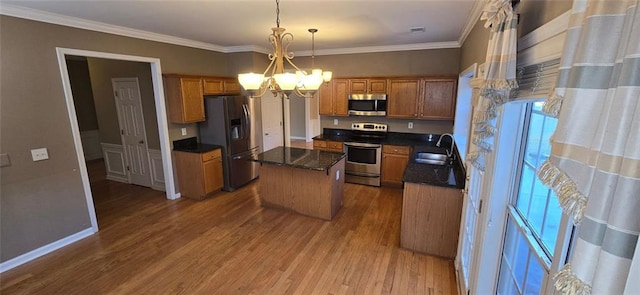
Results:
191 145
450 175
299 158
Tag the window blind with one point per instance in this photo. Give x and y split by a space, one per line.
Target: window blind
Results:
537 80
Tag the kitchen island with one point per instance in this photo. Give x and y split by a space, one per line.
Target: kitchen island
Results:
309 182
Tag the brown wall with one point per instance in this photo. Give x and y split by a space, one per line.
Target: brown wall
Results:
42 202
82 94
102 71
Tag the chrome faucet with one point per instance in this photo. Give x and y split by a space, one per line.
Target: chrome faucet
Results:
449 151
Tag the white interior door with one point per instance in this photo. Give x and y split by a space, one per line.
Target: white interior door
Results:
272 121
132 129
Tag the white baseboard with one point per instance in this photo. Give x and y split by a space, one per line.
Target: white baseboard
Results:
91 144
157 173
298 138
114 162
46 249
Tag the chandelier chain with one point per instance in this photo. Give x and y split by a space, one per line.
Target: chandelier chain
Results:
277 13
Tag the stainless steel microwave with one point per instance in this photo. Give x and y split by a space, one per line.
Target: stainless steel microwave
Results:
368 104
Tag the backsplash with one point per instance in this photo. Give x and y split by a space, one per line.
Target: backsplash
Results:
394 125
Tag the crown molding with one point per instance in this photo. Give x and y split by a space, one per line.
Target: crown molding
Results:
473 18
247 48
372 49
41 16
74 22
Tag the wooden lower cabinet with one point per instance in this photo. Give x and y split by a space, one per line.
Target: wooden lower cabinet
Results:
199 174
431 219
328 145
394 162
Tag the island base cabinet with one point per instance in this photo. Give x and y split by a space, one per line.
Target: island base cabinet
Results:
308 192
431 219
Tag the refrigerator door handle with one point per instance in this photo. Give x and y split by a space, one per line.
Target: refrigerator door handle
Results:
247 119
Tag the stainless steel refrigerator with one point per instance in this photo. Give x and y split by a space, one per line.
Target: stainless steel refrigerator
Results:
234 122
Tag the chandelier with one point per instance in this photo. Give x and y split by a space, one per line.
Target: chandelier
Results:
274 78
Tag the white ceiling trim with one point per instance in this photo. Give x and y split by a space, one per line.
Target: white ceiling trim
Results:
58 19
476 11
68 21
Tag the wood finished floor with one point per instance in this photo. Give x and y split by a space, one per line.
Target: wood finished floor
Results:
228 244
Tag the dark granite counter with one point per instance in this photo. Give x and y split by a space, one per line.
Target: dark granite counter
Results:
191 145
452 175
299 158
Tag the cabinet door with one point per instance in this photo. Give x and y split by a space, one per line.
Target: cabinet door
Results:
358 85
438 100
377 86
393 167
232 86
341 97
212 171
192 100
213 86
325 99
403 98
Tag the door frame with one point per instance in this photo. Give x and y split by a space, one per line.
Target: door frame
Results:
161 115
144 129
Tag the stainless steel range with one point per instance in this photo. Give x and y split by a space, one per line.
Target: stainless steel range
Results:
364 153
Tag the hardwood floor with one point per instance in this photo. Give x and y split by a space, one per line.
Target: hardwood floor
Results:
229 244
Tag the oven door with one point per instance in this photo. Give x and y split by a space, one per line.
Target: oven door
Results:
363 163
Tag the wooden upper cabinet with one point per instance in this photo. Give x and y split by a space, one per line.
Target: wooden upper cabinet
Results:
333 98
368 85
185 101
403 98
325 99
341 97
438 100
213 86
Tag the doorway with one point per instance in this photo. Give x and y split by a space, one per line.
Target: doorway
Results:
161 119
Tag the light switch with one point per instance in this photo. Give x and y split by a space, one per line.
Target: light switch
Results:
39 154
5 161
184 131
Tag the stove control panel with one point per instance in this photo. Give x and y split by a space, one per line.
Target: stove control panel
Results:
369 127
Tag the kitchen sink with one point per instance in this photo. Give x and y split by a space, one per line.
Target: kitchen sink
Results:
431 158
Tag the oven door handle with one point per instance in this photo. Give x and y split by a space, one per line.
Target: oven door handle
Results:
362 145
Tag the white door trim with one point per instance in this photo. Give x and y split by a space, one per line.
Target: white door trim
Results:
161 115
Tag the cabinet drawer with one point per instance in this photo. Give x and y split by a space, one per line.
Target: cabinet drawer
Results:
208 156
320 143
334 145
395 149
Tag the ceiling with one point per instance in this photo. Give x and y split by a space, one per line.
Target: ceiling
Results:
347 26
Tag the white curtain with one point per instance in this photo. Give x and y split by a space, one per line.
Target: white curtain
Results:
594 166
500 75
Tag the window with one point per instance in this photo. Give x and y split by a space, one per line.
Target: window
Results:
533 215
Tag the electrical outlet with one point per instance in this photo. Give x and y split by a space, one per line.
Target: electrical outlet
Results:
335 121
410 125
39 154
184 131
